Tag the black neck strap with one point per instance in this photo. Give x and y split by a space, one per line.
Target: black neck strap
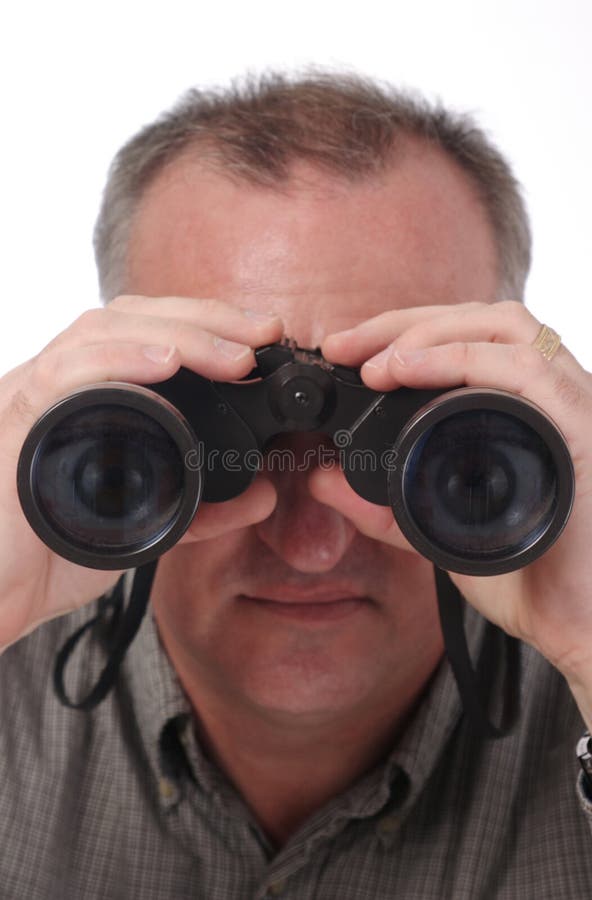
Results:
124 624
472 686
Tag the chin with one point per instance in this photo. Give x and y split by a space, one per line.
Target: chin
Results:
310 688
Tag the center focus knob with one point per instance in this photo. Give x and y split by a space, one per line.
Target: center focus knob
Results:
301 397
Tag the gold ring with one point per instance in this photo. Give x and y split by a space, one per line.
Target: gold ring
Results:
547 342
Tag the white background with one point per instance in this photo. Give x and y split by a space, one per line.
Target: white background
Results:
77 79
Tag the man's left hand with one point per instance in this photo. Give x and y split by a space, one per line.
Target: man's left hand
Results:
549 602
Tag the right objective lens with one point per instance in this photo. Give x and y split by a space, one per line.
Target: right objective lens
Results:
481 484
485 483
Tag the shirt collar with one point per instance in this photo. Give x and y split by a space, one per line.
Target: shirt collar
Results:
159 700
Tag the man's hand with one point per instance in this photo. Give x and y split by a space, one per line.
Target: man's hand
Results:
548 603
135 339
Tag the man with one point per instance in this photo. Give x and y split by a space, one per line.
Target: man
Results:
285 724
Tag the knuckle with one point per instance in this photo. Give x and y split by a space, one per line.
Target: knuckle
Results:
380 319
519 368
505 305
210 307
110 357
567 391
20 407
513 311
46 368
511 308
531 361
464 354
125 301
89 320
411 338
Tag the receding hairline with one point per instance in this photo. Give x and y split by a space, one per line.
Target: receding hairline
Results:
346 125
303 175
425 201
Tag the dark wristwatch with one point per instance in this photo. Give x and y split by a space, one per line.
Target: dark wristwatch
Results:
584 754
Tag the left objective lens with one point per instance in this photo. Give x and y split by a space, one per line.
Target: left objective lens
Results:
104 482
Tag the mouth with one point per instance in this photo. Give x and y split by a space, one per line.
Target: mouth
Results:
317 605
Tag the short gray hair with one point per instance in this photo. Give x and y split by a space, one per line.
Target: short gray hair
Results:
346 124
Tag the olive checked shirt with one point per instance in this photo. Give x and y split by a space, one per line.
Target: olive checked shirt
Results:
121 803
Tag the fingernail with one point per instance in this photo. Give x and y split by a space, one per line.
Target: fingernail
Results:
378 361
230 349
259 316
158 353
409 357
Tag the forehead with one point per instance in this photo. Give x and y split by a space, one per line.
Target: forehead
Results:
321 250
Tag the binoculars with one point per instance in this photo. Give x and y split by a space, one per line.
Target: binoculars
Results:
479 480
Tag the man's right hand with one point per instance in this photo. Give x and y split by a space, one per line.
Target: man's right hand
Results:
135 339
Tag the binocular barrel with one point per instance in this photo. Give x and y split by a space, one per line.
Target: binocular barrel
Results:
479 481
486 482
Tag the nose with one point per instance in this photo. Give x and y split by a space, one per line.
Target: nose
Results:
307 535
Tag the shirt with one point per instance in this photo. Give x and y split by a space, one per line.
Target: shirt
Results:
122 802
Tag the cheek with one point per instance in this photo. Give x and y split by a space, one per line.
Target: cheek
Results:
188 581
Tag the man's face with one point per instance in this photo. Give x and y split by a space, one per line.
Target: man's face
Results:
325 255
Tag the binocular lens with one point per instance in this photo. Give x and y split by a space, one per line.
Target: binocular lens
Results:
108 478
481 484
479 480
102 476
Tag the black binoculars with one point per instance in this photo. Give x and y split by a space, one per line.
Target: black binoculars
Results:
480 481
